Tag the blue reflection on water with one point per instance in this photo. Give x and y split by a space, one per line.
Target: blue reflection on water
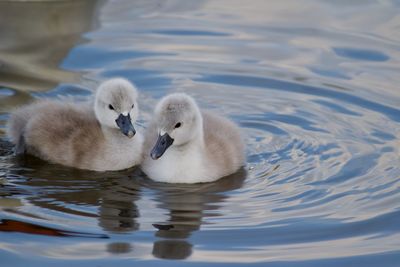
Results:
360 54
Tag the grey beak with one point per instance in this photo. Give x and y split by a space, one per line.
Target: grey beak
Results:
163 142
125 125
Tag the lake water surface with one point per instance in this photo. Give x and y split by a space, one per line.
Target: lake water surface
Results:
313 84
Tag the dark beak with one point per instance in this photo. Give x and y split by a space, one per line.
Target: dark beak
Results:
163 142
125 124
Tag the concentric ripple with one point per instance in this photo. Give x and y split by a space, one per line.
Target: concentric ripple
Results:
317 98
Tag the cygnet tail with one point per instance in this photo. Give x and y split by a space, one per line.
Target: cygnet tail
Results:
16 127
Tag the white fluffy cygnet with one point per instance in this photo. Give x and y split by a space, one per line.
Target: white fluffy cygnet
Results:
185 145
77 135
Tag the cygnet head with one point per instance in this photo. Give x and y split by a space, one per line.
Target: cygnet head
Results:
116 105
178 121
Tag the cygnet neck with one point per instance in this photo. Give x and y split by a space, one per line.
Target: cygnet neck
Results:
112 133
196 141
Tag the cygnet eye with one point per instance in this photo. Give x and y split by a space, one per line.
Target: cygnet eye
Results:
133 105
110 107
178 125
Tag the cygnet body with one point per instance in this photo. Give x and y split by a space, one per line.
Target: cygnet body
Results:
185 145
96 138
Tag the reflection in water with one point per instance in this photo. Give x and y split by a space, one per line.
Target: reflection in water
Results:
116 194
119 248
118 212
6 148
35 39
186 205
30 228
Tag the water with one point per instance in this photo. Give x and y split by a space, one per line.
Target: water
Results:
313 85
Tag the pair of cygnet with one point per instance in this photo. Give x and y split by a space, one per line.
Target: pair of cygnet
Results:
181 144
